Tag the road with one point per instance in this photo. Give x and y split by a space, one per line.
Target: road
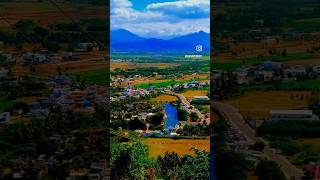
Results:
236 120
186 103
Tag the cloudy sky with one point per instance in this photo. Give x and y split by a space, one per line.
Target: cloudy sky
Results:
160 18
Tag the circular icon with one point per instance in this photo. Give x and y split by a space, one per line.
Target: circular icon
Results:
199 48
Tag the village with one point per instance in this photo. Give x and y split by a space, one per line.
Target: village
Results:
129 91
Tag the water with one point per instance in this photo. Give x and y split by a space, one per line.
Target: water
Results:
172 117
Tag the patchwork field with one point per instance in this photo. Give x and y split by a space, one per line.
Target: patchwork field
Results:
98 76
257 104
189 94
129 65
46 13
165 98
159 146
4 103
86 64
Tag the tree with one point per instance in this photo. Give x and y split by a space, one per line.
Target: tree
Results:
156 119
182 115
258 146
168 163
230 165
24 25
269 170
194 167
194 116
121 166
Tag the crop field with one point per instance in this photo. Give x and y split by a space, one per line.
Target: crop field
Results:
189 94
4 103
98 76
129 65
250 49
231 65
165 98
164 82
159 146
257 104
306 25
46 13
68 67
305 62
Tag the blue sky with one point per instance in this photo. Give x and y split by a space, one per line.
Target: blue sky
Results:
160 18
142 4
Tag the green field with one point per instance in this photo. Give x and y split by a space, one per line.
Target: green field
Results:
306 25
32 6
229 66
165 83
298 85
5 104
99 76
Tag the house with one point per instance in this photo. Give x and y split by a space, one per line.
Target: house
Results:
3 72
9 57
201 98
70 56
40 107
35 58
62 80
296 71
241 75
4 118
262 75
279 115
316 69
217 74
271 66
86 46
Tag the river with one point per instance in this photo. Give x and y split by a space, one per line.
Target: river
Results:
171 116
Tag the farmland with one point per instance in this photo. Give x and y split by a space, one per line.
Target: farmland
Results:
165 98
189 94
158 146
45 13
257 104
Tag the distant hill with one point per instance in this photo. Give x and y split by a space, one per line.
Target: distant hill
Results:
125 41
197 38
123 36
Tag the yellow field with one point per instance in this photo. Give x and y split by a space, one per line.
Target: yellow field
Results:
249 49
305 62
66 67
159 146
45 13
165 98
189 94
257 104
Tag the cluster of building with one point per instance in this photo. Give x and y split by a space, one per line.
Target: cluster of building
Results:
131 92
269 71
66 97
69 98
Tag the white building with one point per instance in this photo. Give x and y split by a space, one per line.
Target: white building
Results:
201 98
3 72
278 115
4 118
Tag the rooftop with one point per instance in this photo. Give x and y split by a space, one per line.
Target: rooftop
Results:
284 111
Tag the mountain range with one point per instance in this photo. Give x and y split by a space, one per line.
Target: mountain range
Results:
126 41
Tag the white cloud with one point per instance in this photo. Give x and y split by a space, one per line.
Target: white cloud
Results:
161 19
184 9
